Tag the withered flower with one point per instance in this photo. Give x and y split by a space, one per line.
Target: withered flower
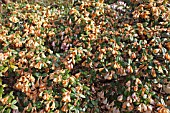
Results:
162 7
153 72
14 19
168 45
135 88
4 100
47 107
38 65
66 97
108 76
100 56
120 98
64 108
77 75
46 96
129 69
156 12
163 110
65 83
167 56
1 56
166 88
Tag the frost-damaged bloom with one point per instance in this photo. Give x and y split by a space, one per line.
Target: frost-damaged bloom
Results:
138 81
116 110
64 108
142 108
134 97
163 110
120 98
121 6
166 88
73 10
14 19
65 82
66 97
1 56
15 111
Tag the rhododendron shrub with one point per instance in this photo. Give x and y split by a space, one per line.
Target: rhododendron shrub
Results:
88 57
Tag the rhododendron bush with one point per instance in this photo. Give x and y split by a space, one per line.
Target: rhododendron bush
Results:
88 57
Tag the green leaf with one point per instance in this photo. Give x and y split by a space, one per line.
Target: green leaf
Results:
1 74
149 67
14 101
94 102
86 88
164 51
14 106
1 68
8 110
129 61
0 81
1 108
97 110
82 96
63 90
10 99
1 91
13 67
11 93
58 55
73 90
36 74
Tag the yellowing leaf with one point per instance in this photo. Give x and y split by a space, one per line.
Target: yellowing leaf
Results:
13 67
5 69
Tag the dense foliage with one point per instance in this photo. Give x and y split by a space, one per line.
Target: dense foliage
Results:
88 57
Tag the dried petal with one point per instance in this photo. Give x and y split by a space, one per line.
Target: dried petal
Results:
120 98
